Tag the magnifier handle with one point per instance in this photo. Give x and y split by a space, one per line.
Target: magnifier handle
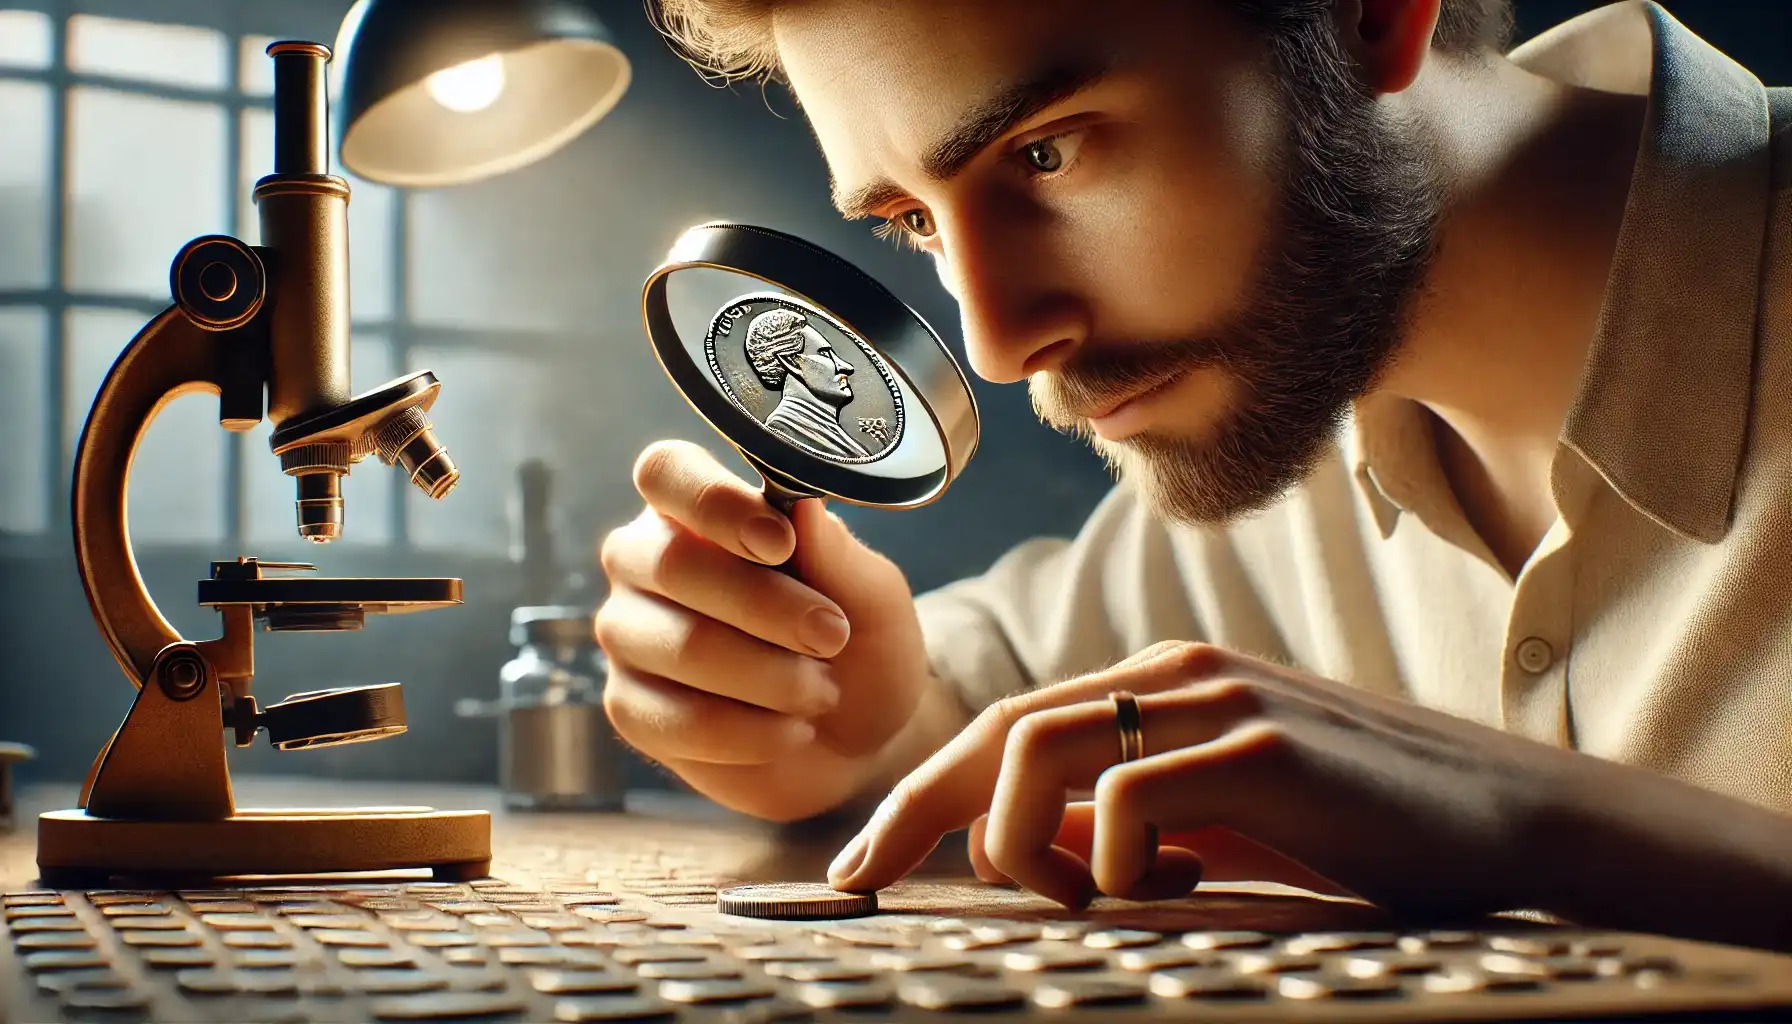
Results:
781 496
784 500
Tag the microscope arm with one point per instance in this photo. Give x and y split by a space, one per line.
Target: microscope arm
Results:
168 358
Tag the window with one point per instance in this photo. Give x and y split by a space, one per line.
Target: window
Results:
120 139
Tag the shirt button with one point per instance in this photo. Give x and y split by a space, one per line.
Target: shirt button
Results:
1534 654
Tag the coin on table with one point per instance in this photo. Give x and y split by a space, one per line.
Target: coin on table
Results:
794 901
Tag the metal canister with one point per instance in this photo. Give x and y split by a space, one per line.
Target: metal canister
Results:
556 749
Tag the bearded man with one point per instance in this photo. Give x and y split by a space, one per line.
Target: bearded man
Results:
1446 566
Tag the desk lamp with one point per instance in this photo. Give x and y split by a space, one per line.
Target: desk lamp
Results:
444 92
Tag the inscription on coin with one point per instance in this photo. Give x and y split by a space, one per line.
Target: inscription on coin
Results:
806 378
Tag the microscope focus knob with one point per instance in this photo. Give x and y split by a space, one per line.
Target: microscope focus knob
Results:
218 282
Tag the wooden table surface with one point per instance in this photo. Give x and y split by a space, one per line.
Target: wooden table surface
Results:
676 837
699 839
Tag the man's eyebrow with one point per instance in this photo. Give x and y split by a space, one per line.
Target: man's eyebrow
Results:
981 126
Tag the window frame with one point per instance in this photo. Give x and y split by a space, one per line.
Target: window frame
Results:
236 20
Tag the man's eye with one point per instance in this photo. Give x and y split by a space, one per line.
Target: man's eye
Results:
917 223
1053 154
907 227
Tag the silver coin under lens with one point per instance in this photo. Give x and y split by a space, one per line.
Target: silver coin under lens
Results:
806 378
794 901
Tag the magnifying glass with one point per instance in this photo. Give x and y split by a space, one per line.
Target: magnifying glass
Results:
826 383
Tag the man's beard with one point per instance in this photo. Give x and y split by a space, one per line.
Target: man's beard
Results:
1359 202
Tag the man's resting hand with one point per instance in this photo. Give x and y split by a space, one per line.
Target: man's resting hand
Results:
1428 815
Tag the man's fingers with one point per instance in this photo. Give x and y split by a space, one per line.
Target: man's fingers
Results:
1155 651
951 788
1180 866
669 722
1225 855
1127 858
652 636
1228 782
980 865
659 556
1047 753
685 482
1071 746
1051 752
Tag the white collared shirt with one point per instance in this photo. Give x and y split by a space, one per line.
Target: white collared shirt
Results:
1652 626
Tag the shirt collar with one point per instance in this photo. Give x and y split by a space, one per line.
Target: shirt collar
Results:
1680 306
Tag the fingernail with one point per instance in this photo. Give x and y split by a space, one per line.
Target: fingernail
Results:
823 631
841 870
764 537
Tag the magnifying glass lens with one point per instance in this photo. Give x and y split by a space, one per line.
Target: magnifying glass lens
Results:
826 383
804 379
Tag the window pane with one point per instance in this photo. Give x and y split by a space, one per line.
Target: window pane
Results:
257 140
146 176
490 420
177 479
255 69
175 54
24 39
24 182
367 492
370 270
23 364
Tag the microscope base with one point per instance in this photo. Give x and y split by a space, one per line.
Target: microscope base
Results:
75 850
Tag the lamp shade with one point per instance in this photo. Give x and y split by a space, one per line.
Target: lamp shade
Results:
443 92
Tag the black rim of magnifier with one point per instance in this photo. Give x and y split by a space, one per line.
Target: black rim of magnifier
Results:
894 331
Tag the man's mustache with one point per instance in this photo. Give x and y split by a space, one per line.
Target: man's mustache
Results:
1099 376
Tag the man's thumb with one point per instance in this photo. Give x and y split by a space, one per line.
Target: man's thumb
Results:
833 561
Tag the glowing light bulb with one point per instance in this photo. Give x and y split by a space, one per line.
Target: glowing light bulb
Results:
470 87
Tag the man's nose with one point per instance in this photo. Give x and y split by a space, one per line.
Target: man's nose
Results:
1016 319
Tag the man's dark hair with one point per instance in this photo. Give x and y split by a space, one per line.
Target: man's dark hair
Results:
732 38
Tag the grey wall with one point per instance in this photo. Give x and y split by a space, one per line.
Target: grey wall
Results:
558 251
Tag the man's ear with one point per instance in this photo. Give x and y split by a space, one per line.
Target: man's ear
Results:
1389 39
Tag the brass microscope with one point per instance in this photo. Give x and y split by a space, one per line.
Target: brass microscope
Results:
266 329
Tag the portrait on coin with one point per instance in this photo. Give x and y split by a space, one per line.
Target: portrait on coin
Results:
805 378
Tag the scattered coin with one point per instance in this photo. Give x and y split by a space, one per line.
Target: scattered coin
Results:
795 901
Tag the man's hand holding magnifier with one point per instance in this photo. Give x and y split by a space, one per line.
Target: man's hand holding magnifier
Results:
1272 774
